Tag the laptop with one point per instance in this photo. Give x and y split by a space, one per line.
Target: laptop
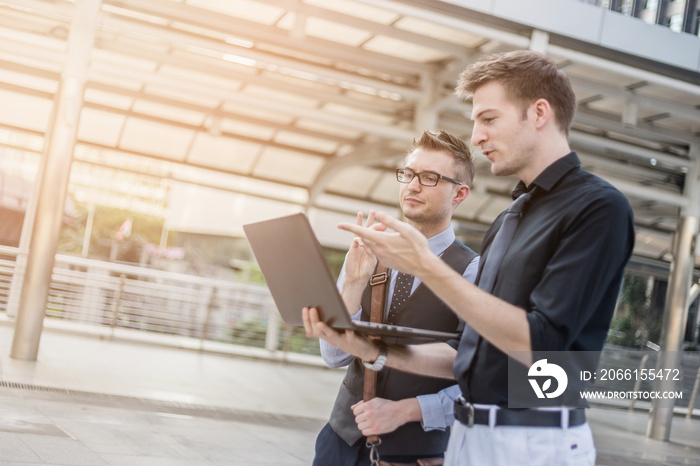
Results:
297 274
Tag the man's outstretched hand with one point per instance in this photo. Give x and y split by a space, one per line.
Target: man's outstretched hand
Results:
403 249
360 260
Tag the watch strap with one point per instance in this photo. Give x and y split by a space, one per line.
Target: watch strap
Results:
378 363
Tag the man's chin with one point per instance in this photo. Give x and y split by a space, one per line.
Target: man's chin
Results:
414 216
500 171
407 210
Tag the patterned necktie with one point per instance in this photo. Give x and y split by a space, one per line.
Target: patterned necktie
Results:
499 246
402 290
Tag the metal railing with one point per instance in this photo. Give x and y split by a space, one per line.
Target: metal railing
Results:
124 296
112 295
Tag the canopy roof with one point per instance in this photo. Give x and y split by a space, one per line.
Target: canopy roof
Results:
315 102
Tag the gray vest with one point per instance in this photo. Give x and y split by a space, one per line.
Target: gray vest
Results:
422 310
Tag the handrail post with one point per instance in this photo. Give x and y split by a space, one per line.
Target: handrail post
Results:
638 382
272 335
693 395
209 303
16 284
117 304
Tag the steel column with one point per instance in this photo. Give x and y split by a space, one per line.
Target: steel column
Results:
677 303
53 181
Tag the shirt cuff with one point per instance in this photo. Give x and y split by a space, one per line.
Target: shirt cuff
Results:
438 408
433 416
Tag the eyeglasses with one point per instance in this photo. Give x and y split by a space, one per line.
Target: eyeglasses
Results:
406 175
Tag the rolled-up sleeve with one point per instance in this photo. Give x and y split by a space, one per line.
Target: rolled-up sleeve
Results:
591 255
438 408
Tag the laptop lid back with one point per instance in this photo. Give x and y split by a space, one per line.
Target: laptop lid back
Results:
295 270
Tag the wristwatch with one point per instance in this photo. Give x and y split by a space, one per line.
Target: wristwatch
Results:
378 363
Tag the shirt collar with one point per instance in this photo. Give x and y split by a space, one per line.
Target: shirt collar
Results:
551 175
441 241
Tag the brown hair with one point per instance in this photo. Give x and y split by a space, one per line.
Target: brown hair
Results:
526 77
442 140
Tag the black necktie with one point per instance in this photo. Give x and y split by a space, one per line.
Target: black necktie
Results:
501 242
402 290
499 246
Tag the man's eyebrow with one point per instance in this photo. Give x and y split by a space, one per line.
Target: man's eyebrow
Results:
474 117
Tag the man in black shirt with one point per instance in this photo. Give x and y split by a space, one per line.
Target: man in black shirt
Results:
555 288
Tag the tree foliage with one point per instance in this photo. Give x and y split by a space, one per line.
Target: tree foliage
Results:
145 230
633 325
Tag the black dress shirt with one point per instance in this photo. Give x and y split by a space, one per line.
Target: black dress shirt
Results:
564 267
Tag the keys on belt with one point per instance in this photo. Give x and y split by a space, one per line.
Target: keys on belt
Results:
468 414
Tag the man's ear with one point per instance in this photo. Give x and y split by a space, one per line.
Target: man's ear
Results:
461 194
543 112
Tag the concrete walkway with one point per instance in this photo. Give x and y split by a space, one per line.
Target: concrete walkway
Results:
91 401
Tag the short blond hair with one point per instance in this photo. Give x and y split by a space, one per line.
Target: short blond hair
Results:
526 76
465 167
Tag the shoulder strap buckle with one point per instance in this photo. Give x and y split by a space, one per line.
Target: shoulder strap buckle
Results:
379 278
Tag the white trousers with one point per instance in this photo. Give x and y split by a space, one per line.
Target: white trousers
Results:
482 445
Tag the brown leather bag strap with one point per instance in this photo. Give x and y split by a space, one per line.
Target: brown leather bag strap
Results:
378 282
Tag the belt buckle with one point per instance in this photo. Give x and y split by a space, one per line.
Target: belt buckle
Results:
378 278
470 407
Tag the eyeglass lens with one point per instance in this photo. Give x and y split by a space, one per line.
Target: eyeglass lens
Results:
425 178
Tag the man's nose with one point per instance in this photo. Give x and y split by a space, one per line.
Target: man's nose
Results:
415 185
478 136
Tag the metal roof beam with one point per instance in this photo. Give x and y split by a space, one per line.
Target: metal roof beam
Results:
662 105
643 131
271 105
460 24
209 65
179 124
364 154
604 145
65 10
374 27
521 42
191 42
256 31
625 70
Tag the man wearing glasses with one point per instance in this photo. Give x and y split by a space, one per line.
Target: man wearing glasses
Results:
438 172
